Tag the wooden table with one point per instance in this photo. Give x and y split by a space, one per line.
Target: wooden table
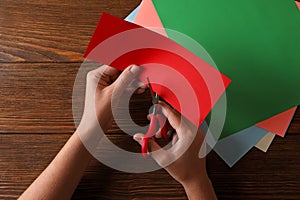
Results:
41 48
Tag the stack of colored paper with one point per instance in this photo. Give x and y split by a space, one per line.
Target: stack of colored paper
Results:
256 47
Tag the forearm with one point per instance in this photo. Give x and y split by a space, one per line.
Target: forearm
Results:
61 177
200 189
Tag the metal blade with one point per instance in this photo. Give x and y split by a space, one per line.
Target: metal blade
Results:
154 99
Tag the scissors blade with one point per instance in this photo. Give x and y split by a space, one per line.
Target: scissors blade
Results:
153 95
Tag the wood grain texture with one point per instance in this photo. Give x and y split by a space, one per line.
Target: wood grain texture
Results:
257 176
52 31
37 98
41 48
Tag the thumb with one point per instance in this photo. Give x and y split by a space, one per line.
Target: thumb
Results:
157 153
139 138
152 146
126 77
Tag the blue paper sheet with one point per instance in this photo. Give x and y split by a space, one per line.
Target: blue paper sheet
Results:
231 149
131 16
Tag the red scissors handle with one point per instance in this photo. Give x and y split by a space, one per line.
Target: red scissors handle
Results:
152 130
162 121
163 125
150 133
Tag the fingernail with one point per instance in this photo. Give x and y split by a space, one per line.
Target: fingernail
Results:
141 84
134 69
140 91
137 138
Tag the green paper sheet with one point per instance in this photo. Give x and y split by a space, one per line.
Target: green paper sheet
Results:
247 40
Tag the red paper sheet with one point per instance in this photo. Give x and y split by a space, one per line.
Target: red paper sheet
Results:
279 123
298 4
148 17
181 78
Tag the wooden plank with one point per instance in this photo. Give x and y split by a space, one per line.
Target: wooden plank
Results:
42 44
37 98
272 175
295 123
52 31
258 175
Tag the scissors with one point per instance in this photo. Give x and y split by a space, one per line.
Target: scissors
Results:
156 118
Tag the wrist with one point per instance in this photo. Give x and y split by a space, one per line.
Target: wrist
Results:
91 131
199 180
199 188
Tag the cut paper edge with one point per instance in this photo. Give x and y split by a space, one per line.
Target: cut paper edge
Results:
131 17
279 123
180 62
147 11
233 148
147 16
229 160
257 112
265 142
298 4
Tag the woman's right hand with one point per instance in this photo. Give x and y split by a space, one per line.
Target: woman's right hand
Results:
182 160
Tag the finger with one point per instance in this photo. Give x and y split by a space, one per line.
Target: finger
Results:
141 87
140 91
104 73
139 137
153 146
112 73
160 155
172 116
136 84
140 84
126 77
157 153
174 139
158 134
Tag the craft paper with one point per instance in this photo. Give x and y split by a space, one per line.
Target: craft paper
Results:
149 21
148 17
132 15
279 123
258 44
239 139
265 142
169 66
231 149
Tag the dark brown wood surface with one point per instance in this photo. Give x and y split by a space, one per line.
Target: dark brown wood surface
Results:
41 48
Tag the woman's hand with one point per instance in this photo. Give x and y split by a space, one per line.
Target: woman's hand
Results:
101 84
61 177
188 169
